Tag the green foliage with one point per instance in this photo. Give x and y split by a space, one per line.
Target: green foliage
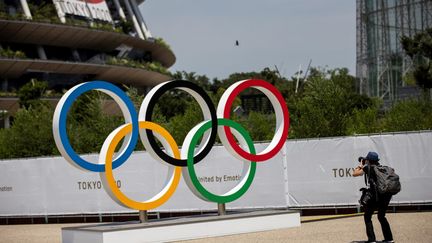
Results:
156 67
135 96
181 124
409 78
150 66
326 105
266 74
11 54
364 121
177 101
31 92
261 127
105 27
201 80
126 26
88 125
409 115
44 12
30 134
419 49
162 42
5 15
173 103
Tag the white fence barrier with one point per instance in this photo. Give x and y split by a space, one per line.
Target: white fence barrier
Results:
315 172
320 170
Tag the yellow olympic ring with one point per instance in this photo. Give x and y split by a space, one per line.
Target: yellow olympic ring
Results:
106 156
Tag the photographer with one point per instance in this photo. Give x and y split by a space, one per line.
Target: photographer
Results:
377 201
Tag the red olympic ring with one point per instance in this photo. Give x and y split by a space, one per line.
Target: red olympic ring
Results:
282 117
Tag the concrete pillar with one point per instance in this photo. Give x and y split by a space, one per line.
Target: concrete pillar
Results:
134 20
76 55
5 84
42 55
120 10
41 52
26 9
143 216
6 121
143 25
221 209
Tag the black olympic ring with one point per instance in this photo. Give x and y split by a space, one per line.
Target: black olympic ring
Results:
206 105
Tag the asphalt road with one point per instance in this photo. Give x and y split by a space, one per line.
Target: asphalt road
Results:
406 227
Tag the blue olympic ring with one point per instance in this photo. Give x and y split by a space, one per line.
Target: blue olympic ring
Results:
68 100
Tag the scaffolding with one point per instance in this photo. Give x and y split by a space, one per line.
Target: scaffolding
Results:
381 61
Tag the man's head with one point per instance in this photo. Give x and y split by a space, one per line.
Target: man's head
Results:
371 158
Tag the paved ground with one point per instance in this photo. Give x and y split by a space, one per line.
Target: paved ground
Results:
407 227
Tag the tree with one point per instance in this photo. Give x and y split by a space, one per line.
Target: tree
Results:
326 104
419 49
201 80
176 101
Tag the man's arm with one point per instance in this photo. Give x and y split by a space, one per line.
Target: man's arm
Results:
358 171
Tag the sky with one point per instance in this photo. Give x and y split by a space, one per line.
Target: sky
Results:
282 33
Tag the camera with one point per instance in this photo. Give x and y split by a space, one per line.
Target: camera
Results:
361 159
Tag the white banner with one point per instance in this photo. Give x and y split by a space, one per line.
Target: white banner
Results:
93 9
52 186
319 172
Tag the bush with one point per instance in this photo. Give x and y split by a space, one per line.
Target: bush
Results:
87 125
181 124
150 66
409 115
12 54
30 134
31 92
261 127
162 42
44 12
363 121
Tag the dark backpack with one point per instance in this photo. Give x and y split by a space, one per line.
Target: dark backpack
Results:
387 181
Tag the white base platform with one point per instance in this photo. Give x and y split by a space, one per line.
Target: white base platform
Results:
183 228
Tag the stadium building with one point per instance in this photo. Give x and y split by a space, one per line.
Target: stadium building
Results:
381 62
65 42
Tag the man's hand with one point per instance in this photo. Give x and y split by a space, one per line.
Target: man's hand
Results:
358 171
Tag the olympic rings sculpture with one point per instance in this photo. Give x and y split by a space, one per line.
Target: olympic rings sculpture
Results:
216 122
